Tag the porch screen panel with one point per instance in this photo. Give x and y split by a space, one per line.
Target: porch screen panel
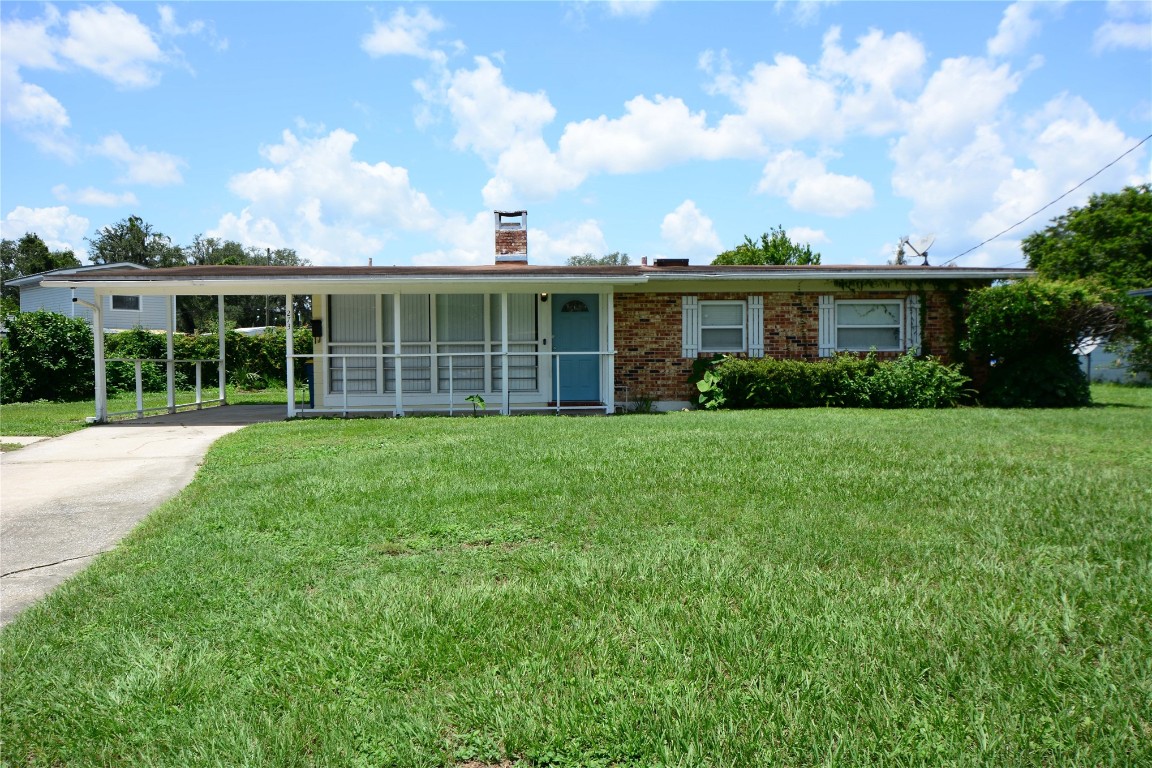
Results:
415 338
352 323
523 336
460 329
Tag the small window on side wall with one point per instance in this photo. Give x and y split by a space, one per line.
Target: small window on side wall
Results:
722 326
130 303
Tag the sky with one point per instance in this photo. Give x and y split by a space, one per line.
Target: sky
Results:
352 131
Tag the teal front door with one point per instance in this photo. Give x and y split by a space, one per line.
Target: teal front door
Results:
575 328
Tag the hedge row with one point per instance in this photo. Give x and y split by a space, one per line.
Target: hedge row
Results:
845 380
47 356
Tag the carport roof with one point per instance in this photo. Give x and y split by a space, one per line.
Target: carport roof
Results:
268 279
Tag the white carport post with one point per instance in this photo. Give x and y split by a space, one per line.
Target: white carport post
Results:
610 374
221 370
171 313
506 401
98 355
290 343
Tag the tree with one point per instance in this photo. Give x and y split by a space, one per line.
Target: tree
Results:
775 247
199 312
1109 239
28 256
1028 332
614 259
133 240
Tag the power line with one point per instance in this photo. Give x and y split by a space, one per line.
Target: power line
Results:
1049 205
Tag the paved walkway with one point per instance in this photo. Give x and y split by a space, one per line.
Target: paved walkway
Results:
67 499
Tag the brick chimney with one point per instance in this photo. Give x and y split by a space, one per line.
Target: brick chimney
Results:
511 237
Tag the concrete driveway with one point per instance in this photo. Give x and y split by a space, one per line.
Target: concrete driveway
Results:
65 500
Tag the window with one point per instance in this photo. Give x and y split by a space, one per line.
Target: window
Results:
722 326
130 303
865 325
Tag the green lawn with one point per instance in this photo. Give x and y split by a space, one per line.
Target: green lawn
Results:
815 587
53 419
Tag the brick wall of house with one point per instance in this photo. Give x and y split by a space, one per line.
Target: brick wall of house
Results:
648 335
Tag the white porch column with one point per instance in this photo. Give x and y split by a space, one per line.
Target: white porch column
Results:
290 361
221 370
397 349
610 345
506 400
98 355
171 325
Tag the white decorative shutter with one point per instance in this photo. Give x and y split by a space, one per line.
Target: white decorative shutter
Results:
689 327
912 340
755 326
827 326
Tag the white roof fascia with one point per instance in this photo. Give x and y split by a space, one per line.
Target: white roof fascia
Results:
309 285
826 275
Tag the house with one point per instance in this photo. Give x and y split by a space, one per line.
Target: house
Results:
1100 364
122 311
532 337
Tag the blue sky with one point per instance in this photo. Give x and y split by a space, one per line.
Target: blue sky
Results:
351 131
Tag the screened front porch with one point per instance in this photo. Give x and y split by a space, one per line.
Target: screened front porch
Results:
449 352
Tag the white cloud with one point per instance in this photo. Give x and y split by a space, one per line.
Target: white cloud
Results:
1017 27
314 196
872 76
952 157
807 235
688 231
652 134
93 196
638 9
114 44
30 105
141 165
404 34
169 25
809 187
803 12
1067 143
490 117
59 228
785 101
1129 25
574 239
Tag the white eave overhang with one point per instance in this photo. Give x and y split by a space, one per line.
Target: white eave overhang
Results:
153 284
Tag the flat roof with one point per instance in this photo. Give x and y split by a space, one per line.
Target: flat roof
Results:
320 279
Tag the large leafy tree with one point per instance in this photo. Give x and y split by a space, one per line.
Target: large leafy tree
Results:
775 247
1108 240
614 259
133 240
29 255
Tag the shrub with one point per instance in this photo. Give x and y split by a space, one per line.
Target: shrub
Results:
846 381
47 356
1027 332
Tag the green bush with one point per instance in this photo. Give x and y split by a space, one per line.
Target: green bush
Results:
47 356
1027 333
846 380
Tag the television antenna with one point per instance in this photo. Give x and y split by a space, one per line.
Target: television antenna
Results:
919 246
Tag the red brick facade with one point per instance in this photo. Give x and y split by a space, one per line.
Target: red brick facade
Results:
649 339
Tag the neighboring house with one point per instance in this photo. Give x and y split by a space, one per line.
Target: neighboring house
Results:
1102 364
525 337
122 311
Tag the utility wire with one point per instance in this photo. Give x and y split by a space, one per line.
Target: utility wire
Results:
1049 205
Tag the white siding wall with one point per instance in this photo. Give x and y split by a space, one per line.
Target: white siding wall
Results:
151 315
